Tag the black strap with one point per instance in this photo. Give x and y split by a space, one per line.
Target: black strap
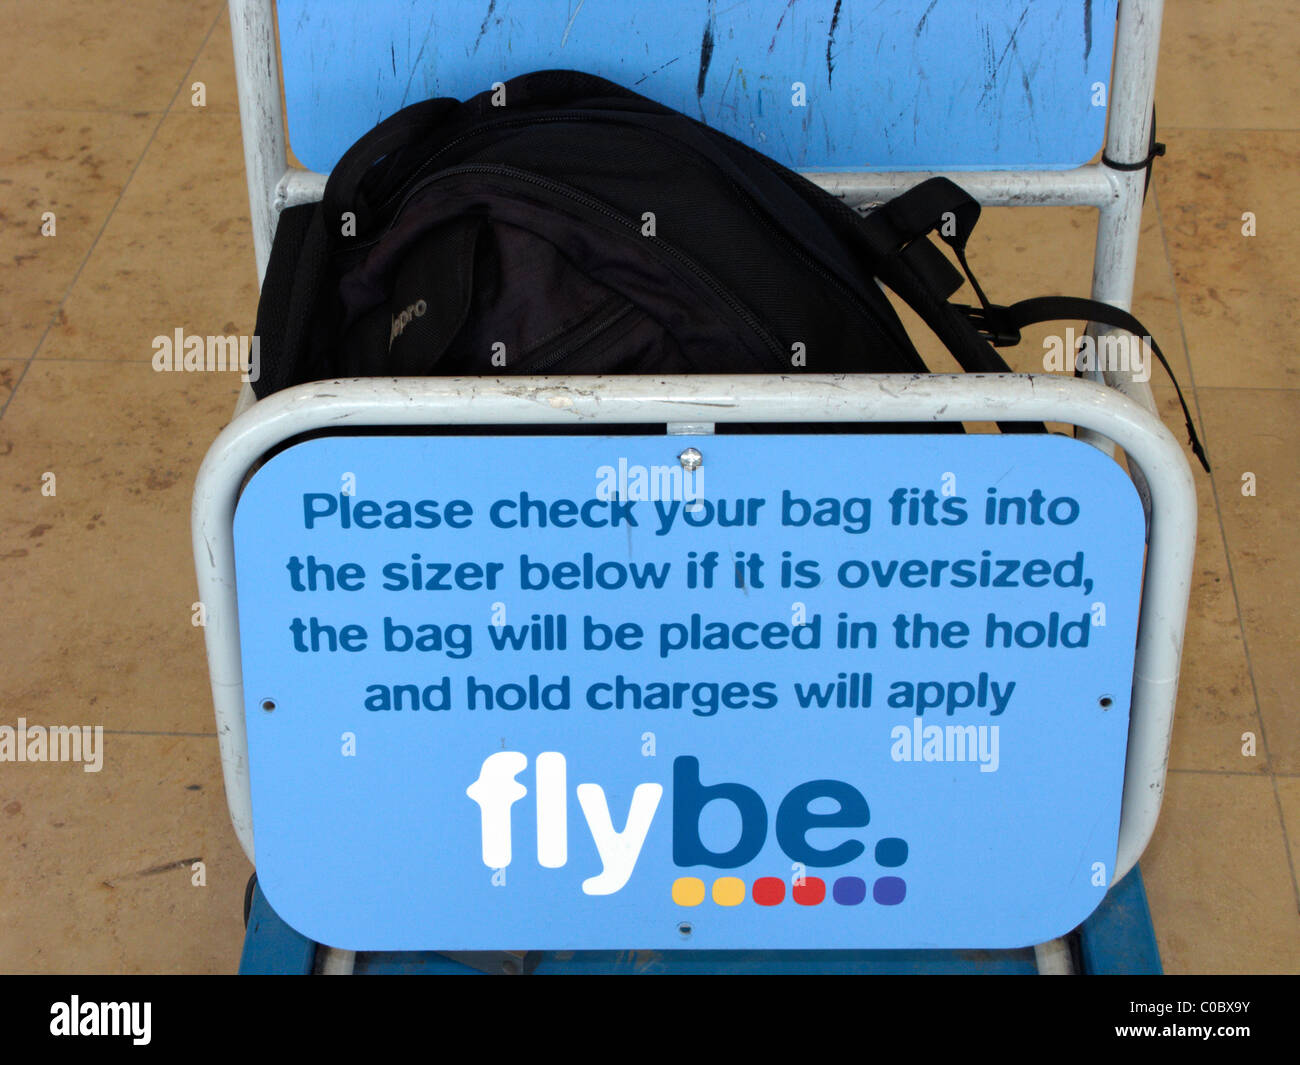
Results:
897 228
1056 308
895 236
294 277
900 255
920 210
401 130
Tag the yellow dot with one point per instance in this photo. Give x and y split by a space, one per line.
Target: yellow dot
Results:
728 891
688 891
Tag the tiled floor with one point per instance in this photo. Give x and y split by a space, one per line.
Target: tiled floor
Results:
96 580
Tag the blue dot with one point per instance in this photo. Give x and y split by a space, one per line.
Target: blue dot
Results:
889 890
849 890
891 852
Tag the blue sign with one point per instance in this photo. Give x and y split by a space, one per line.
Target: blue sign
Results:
700 692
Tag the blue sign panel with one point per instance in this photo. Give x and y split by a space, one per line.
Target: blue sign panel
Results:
709 692
890 85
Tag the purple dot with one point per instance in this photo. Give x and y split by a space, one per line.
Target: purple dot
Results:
849 890
889 890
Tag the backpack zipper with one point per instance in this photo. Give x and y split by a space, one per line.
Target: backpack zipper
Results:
491 127
593 204
591 334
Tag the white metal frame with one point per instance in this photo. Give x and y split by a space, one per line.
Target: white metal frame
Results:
1122 414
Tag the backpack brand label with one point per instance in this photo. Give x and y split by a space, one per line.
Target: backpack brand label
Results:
400 321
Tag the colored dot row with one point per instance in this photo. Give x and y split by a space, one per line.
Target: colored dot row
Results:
807 891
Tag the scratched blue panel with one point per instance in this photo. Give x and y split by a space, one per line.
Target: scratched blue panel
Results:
891 85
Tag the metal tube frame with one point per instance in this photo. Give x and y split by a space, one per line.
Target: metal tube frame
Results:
1121 413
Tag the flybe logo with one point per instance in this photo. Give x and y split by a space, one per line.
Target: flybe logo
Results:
498 789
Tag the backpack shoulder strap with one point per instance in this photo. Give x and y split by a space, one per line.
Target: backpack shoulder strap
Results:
898 253
895 233
294 276
1057 308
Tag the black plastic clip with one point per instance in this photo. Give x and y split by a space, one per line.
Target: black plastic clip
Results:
992 323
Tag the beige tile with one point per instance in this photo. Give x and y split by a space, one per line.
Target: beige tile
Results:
1288 793
1254 431
1236 292
177 252
97 874
1228 65
89 55
10 371
1218 878
1019 252
215 67
73 164
98 580
1216 700
1048 252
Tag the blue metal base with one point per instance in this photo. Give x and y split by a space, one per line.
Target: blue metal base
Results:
1118 939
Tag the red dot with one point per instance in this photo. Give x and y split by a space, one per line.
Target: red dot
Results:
768 890
810 892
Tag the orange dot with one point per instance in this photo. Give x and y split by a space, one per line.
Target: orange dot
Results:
728 891
688 891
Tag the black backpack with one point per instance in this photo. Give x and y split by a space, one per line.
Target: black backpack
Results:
560 224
